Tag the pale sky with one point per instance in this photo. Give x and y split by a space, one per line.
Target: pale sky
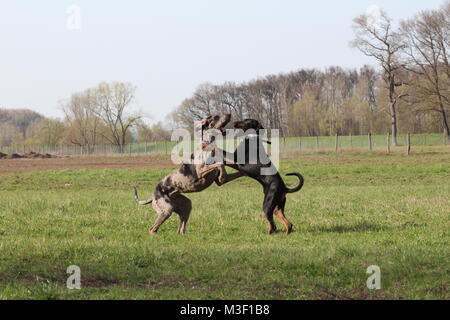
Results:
167 48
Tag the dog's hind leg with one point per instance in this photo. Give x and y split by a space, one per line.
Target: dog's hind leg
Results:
269 216
269 210
183 207
279 213
164 208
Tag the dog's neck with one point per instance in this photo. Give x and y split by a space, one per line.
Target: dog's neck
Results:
207 138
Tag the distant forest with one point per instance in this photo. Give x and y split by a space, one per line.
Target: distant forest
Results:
409 91
17 125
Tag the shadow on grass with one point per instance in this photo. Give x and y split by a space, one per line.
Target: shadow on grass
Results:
344 228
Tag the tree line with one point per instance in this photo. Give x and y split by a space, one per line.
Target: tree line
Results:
95 116
408 91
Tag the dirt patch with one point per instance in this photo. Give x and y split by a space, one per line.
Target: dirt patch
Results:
94 281
29 155
34 155
29 164
101 282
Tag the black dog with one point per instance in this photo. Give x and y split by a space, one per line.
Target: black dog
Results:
275 189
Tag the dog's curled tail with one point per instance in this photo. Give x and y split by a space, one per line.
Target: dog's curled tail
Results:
300 184
140 202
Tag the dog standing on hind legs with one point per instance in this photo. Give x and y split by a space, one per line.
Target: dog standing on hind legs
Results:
190 177
275 190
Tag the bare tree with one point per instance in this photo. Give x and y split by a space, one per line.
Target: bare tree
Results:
380 41
369 77
49 132
444 35
231 96
144 132
426 49
83 123
111 101
160 133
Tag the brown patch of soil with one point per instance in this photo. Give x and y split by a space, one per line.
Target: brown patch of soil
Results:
34 155
36 163
29 155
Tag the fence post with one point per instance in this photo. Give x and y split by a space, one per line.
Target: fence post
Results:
300 143
388 142
165 145
351 141
408 144
317 142
370 141
337 143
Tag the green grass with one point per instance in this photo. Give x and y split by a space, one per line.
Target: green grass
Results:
355 210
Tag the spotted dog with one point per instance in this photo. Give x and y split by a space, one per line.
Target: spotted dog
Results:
191 177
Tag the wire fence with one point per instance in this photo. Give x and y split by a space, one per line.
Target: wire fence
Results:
367 142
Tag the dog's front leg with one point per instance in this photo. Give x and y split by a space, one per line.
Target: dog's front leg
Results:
201 172
224 177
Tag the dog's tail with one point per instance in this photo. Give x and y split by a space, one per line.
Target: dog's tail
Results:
300 185
141 202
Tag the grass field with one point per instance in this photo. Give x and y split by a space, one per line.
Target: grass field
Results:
355 210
